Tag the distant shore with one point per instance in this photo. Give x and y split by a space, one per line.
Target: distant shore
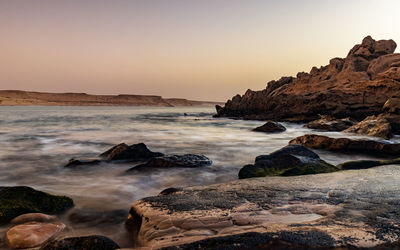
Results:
27 98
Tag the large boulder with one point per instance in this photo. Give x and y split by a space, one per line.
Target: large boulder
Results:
328 123
347 145
288 161
32 234
341 210
175 161
356 86
93 242
270 127
373 126
18 200
135 152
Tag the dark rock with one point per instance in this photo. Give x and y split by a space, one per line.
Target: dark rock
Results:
96 218
373 126
364 164
94 242
347 145
18 200
175 161
328 123
270 127
75 162
135 152
288 161
170 191
356 86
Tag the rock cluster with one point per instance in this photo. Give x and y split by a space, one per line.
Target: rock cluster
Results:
356 86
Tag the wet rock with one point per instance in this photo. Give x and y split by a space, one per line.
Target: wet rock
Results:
347 145
18 200
95 218
373 126
33 217
33 234
328 123
270 127
175 161
333 210
356 86
94 242
288 161
75 162
135 152
364 164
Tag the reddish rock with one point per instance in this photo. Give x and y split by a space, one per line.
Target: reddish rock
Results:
356 86
329 123
373 126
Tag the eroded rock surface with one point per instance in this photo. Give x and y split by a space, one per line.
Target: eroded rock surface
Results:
288 161
270 127
328 123
356 86
347 145
373 125
324 210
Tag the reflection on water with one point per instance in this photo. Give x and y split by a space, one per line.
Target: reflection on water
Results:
35 143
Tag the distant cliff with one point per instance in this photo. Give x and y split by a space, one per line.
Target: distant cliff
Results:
25 98
356 86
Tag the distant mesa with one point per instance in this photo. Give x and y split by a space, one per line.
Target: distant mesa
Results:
26 98
357 86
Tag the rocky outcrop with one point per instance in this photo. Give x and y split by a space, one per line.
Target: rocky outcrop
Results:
135 152
270 127
174 161
356 86
328 123
94 242
32 234
288 161
348 145
18 200
342 209
373 126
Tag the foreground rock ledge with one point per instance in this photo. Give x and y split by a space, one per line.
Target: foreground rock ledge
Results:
356 207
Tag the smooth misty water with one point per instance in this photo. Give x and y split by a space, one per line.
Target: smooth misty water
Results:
36 142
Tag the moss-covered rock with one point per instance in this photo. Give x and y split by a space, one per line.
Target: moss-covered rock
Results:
364 164
18 200
288 161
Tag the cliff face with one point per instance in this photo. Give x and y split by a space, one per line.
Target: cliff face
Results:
356 86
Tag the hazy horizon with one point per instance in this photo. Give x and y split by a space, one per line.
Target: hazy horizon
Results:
199 50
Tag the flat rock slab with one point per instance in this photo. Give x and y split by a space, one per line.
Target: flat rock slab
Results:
32 234
355 207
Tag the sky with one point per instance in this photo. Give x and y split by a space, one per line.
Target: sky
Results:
195 49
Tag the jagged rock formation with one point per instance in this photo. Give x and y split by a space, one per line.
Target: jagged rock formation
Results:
356 86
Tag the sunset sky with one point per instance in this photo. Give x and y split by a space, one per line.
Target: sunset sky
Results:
205 49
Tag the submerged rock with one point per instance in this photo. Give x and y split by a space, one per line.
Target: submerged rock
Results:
74 163
33 217
270 127
175 161
32 234
135 152
373 126
347 145
95 218
335 210
18 200
328 123
94 242
288 161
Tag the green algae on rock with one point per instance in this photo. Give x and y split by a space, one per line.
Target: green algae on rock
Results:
18 200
